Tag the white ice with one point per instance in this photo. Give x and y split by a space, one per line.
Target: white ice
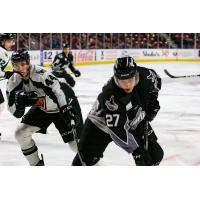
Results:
177 124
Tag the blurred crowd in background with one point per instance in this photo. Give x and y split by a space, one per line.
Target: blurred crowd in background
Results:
46 41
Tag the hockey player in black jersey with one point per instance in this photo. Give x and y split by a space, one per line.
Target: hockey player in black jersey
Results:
62 62
121 113
51 101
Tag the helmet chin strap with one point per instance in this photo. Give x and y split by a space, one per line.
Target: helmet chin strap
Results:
116 82
137 78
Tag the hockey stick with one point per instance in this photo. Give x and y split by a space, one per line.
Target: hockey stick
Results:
186 76
146 125
76 140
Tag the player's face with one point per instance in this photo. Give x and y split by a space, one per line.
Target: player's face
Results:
22 67
128 84
66 50
8 44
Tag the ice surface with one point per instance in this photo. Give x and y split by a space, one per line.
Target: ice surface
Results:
177 124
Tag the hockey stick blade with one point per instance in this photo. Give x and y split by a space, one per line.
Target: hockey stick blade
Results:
186 76
168 74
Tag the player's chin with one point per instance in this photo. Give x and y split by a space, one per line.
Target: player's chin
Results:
24 75
128 90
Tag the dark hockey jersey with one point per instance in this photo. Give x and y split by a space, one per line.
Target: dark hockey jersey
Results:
122 115
62 62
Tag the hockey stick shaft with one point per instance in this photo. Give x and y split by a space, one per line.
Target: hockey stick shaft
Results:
76 140
186 76
146 125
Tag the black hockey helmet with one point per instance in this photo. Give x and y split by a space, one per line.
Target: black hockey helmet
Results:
19 56
66 45
7 36
125 68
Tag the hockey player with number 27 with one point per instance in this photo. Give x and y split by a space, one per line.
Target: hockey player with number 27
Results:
121 113
51 101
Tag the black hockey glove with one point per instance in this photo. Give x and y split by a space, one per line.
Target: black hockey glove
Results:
142 157
77 73
8 74
69 114
25 99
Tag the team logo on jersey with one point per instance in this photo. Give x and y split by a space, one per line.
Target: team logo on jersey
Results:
132 124
153 78
111 105
41 102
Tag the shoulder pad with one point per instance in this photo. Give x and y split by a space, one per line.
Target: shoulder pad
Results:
60 56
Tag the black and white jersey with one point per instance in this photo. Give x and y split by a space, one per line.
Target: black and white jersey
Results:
4 59
63 62
122 115
55 93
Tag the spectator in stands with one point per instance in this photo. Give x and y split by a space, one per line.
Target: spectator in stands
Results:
107 40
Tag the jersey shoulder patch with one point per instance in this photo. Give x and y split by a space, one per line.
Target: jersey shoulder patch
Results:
153 77
111 104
